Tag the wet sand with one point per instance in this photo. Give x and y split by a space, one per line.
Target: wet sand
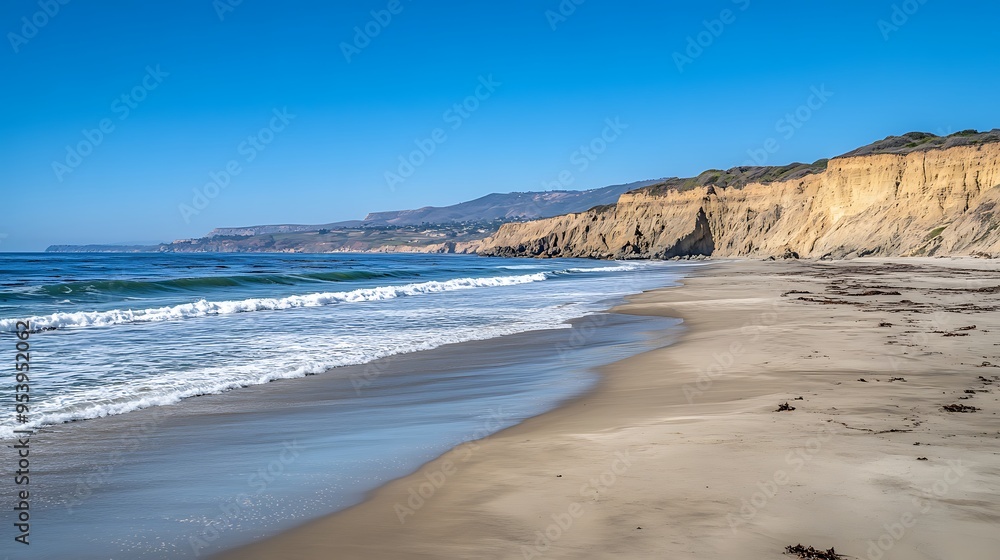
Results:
219 471
681 453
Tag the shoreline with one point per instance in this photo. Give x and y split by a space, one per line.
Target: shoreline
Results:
265 548
324 441
674 446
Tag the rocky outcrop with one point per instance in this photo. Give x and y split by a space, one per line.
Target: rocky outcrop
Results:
921 202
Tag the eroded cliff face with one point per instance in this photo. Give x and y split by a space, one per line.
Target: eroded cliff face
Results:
924 203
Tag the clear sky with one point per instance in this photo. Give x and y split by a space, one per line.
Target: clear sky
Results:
120 118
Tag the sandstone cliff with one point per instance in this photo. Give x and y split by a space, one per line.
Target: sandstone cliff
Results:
936 201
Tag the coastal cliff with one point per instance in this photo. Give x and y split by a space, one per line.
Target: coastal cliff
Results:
926 202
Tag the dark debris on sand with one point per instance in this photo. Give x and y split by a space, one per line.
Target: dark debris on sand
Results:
811 553
959 408
877 293
785 407
829 301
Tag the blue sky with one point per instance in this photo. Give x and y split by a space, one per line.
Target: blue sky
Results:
309 115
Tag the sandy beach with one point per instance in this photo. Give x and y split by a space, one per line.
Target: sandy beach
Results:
681 452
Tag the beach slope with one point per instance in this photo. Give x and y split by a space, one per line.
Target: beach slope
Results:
682 452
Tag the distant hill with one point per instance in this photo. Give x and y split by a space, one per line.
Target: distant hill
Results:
279 228
514 206
454 228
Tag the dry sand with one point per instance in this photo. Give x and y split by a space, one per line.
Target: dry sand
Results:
680 453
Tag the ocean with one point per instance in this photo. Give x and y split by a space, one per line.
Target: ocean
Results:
125 340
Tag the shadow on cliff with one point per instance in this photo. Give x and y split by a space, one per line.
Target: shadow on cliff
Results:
700 241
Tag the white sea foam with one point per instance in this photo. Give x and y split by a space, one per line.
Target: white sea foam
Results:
202 308
625 267
172 387
91 383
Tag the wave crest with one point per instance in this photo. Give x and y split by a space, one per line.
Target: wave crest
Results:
203 308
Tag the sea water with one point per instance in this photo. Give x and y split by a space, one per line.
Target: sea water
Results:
138 335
